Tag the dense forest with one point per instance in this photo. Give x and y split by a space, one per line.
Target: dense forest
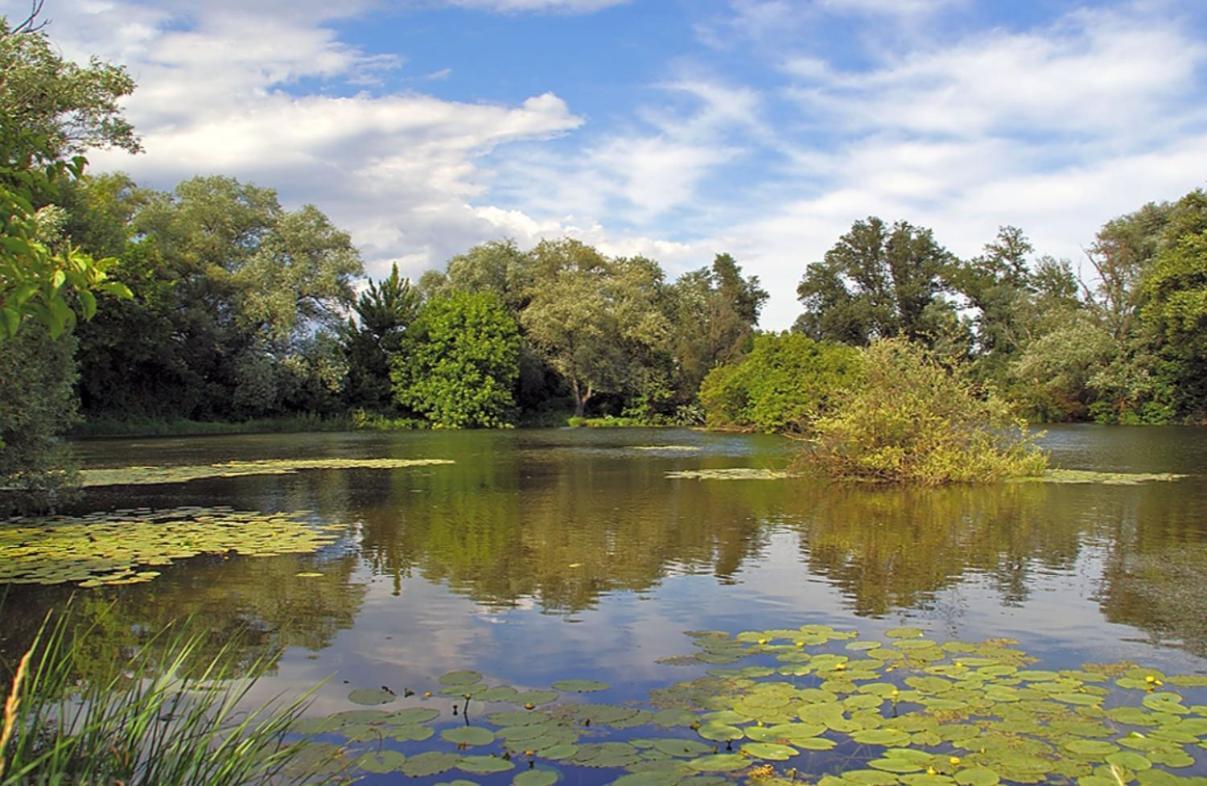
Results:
213 302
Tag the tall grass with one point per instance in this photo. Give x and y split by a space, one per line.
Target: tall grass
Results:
169 715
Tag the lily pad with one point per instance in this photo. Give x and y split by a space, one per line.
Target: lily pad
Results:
468 735
422 765
769 750
371 696
381 761
484 765
720 762
541 777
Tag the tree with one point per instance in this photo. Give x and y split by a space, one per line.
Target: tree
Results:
459 362
384 311
50 109
784 384
1174 310
876 282
237 291
598 322
713 312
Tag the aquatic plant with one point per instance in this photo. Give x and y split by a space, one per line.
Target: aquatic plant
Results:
914 419
128 476
733 473
164 717
1104 478
124 546
900 711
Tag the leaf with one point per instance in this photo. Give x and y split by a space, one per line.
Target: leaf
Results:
536 778
381 761
483 765
720 762
371 696
422 765
468 735
977 776
769 750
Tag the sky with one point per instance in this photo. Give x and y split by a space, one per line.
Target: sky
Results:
676 129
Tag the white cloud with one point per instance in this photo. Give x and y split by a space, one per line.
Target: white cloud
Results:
566 6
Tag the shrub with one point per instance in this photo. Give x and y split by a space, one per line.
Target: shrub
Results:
459 362
916 420
784 384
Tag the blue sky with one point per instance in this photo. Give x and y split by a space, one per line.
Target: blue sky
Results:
671 128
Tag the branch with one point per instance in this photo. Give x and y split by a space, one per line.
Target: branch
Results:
30 23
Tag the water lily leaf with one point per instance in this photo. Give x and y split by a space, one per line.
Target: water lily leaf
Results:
580 686
719 762
483 765
422 765
1130 760
499 693
371 696
977 776
559 752
814 744
654 778
720 732
307 574
880 737
1091 747
681 747
410 733
381 761
468 735
895 764
541 777
769 750
458 678
904 633
537 697
412 716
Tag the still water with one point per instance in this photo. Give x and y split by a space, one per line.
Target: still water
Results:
552 554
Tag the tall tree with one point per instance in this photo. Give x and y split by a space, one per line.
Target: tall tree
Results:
384 310
595 320
876 282
714 312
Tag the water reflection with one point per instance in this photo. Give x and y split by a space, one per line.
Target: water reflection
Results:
580 526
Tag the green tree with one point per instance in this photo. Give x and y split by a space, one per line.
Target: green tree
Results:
383 311
599 322
876 282
786 382
459 362
713 312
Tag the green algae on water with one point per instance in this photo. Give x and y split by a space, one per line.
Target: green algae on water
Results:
115 548
129 476
737 473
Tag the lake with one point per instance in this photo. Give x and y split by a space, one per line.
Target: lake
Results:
546 555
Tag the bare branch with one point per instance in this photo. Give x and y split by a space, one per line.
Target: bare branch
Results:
31 24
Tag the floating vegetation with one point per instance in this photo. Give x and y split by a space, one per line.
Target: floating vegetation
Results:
667 448
128 476
1103 478
778 704
739 473
117 548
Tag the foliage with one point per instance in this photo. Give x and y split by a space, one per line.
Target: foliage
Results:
459 362
1175 304
1052 377
373 421
785 383
237 309
915 420
164 716
876 282
713 312
599 322
37 401
383 312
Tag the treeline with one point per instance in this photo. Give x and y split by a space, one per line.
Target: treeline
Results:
1127 346
244 310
